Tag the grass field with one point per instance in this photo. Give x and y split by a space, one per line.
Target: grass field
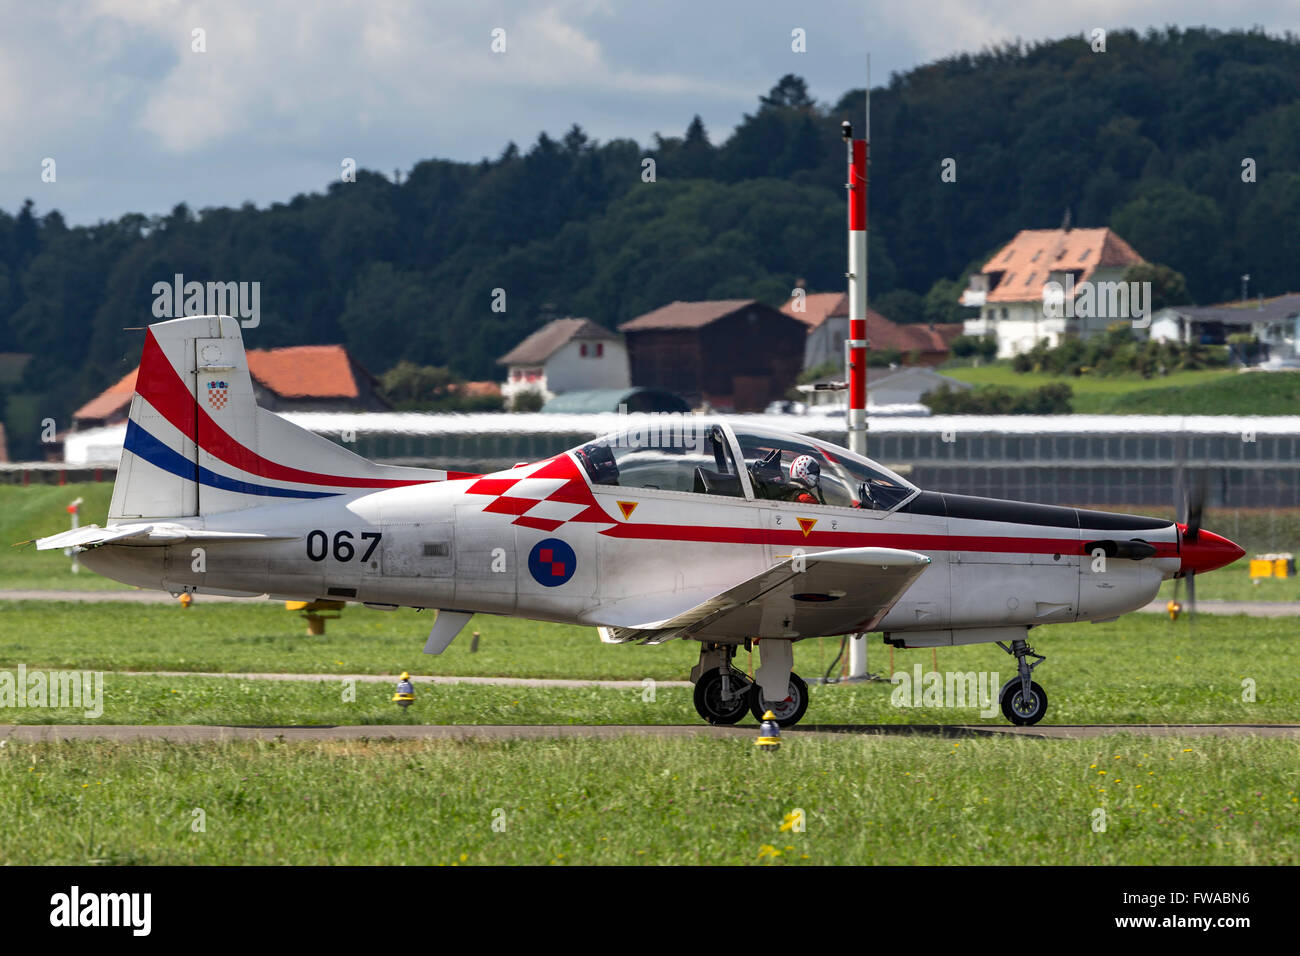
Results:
1137 670
863 800
40 510
1224 391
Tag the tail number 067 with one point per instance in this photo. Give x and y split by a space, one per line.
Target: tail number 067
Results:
319 545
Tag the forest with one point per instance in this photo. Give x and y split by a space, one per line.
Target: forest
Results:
1150 137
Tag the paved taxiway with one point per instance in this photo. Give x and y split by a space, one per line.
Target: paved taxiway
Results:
196 733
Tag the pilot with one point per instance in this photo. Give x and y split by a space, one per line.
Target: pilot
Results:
805 481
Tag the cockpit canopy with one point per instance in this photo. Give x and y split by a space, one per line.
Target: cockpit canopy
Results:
684 453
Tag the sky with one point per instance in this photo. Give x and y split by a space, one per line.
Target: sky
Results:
136 118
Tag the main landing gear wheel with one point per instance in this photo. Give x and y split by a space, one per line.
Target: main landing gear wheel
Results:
718 704
787 712
1020 709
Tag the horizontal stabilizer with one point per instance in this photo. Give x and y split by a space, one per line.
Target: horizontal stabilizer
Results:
147 535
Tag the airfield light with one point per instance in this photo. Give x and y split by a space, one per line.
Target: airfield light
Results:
405 695
74 509
769 733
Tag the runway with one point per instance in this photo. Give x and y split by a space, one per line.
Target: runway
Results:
198 733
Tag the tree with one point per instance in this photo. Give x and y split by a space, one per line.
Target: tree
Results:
1167 286
790 91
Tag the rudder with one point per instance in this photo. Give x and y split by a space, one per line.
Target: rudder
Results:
197 442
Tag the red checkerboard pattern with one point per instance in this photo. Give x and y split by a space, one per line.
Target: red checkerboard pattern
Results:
543 496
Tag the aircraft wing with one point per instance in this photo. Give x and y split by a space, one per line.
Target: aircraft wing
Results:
155 535
832 592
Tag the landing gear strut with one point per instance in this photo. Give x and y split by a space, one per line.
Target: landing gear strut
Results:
723 693
1023 701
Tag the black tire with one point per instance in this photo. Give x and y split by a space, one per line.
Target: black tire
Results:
709 703
788 712
1016 709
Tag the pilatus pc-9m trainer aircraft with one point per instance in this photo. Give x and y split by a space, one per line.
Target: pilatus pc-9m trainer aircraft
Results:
675 528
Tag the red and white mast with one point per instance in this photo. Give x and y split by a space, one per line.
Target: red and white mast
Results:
855 348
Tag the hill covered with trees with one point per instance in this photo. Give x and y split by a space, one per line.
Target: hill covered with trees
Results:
1148 137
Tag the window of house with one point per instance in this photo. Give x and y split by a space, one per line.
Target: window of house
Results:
600 349
582 349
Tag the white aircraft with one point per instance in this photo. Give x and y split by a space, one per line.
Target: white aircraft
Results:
676 527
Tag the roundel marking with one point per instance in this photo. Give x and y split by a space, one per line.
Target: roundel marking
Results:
552 562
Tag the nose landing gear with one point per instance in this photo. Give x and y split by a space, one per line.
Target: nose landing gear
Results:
1024 702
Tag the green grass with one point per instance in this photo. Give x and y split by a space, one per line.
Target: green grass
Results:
1233 583
1179 694
37 511
1211 391
1140 669
864 800
265 637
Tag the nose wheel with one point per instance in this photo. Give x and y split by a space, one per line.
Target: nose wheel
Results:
1024 702
1020 708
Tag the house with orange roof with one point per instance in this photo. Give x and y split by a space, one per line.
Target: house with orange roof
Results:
1014 290
301 378
826 315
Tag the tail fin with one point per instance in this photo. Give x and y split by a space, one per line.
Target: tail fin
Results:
197 443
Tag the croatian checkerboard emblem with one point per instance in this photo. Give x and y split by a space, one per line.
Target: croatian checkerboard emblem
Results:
218 394
552 562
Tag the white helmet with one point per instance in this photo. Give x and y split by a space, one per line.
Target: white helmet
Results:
805 469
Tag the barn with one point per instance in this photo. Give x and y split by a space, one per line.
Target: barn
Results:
731 354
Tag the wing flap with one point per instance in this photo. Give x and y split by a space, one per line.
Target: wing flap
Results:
830 592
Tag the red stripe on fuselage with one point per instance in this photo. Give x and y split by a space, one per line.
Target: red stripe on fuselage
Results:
160 385
861 539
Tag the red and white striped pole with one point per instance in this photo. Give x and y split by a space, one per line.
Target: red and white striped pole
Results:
856 345
857 342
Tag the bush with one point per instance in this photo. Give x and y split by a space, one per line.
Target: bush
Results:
1118 352
529 400
1053 399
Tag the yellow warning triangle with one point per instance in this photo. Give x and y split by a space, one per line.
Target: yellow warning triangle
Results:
627 507
807 525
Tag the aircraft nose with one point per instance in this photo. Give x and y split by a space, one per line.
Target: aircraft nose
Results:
1207 552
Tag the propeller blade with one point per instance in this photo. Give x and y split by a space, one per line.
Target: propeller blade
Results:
1195 509
1191 600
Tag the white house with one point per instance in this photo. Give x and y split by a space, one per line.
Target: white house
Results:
1011 288
1275 322
563 356
827 316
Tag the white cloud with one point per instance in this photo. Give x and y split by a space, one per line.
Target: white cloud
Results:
137 121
